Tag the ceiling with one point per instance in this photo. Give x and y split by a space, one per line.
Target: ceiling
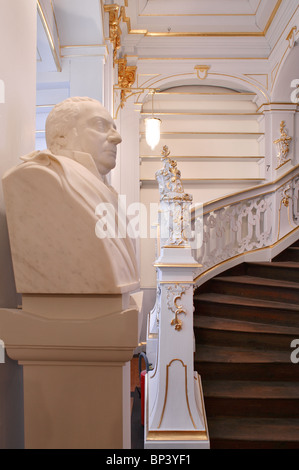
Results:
64 24
198 17
204 28
166 28
169 31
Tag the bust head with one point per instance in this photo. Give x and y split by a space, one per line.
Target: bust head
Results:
83 125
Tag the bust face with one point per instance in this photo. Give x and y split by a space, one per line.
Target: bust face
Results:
95 133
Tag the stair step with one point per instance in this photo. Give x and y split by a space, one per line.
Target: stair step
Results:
251 433
244 389
245 320
247 433
215 330
256 287
226 324
251 399
290 254
244 308
241 356
285 270
235 363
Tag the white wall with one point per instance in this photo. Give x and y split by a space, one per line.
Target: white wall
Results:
17 137
214 135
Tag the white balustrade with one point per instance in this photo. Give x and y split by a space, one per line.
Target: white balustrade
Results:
193 246
246 224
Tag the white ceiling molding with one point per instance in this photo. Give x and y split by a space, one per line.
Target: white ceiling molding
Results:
66 25
79 22
160 28
48 45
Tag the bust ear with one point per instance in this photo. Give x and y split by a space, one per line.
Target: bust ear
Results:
70 141
60 142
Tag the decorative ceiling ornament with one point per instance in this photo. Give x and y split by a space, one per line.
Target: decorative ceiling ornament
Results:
283 146
152 127
202 71
126 78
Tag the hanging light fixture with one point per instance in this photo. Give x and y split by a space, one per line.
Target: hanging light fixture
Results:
152 128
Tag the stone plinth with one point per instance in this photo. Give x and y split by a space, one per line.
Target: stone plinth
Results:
75 352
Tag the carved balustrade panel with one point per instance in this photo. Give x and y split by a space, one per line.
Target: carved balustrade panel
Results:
245 226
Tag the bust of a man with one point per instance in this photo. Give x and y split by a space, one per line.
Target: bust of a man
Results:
51 200
82 129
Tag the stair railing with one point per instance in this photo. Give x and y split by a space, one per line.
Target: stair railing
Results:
255 224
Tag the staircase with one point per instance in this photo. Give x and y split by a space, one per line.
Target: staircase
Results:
244 323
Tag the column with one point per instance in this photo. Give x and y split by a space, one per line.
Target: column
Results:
17 137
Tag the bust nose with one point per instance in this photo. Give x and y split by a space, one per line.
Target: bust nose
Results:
114 137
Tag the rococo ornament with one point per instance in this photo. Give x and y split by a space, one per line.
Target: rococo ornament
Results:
283 146
175 220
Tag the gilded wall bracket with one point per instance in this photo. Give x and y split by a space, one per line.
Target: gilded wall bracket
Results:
126 78
115 17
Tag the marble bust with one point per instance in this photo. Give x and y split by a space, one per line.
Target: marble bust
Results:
51 200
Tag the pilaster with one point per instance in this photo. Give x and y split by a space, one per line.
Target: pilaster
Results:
277 115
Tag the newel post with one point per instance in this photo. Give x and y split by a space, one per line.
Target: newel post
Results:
174 414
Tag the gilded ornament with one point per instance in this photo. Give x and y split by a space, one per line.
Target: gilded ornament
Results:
175 201
283 146
114 28
174 295
126 78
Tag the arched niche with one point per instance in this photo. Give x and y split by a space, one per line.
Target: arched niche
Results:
235 83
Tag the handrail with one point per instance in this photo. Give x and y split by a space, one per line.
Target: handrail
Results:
231 198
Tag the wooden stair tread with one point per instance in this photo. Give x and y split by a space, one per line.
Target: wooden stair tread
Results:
251 389
244 322
235 355
244 301
261 281
277 264
227 324
255 429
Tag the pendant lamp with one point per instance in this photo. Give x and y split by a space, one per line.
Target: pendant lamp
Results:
152 128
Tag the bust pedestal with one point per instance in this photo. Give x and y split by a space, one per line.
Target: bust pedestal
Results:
78 327
75 351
